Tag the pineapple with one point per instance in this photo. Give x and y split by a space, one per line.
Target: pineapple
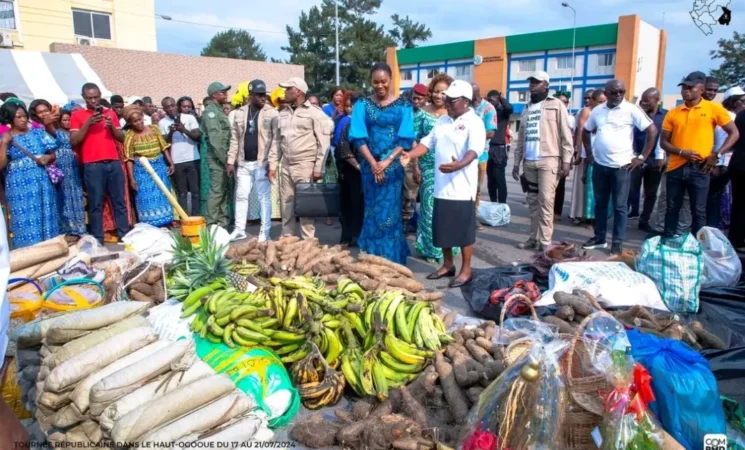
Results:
197 266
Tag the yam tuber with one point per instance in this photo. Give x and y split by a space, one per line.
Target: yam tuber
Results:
468 333
449 318
143 287
565 312
463 376
403 270
368 284
706 338
430 296
674 331
424 383
454 396
478 353
136 295
473 394
153 275
159 293
564 326
490 329
485 344
580 305
324 269
332 278
305 257
459 339
271 253
363 268
315 433
412 407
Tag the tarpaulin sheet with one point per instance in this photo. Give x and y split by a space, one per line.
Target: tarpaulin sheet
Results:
485 281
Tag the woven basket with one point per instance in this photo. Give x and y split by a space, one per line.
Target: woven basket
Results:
518 348
131 275
586 388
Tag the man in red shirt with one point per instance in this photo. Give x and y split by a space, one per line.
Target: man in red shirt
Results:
95 130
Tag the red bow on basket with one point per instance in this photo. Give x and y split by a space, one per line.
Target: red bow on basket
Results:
633 398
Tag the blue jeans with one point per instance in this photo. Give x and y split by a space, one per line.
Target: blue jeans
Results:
102 178
608 182
689 178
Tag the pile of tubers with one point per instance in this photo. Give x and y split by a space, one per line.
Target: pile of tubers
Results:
574 307
146 285
291 256
427 413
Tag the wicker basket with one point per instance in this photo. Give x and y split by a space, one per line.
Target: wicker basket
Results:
586 390
518 348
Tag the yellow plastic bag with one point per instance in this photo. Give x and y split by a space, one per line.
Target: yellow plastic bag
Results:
12 391
25 302
73 295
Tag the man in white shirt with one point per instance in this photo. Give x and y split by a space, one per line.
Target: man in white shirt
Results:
182 132
613 157
457 139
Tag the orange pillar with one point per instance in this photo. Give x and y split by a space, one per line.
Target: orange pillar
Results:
626 52
661 59
492 72
391 58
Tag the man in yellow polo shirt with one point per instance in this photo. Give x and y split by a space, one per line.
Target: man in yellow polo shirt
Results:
688 136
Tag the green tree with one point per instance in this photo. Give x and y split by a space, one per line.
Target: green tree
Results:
731 71
235 44
407 33
362 42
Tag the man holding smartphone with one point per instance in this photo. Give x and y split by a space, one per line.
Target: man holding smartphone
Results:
182 132
95 130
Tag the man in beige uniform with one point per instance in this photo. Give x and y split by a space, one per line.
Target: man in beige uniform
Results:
302 140
544 147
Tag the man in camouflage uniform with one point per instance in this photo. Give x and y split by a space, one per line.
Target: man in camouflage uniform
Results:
215 128
301 142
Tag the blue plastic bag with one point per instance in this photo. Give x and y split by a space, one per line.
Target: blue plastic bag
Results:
687 398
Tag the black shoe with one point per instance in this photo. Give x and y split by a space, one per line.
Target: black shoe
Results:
437 275
615 249
456 284
633 215
646 227
595 243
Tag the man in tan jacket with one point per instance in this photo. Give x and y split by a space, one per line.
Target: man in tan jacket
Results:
545 147
301 142
251 136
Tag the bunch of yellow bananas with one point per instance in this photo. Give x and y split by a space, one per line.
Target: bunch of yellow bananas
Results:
318 384
245 268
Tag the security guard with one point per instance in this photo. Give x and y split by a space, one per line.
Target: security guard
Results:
215 128
302 142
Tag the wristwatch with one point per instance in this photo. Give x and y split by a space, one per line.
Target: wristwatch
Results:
640 157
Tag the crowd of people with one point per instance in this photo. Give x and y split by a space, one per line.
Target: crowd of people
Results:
79 168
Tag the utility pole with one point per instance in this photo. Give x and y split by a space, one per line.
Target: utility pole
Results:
336 11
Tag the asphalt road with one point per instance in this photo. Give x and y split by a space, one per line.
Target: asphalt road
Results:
494 246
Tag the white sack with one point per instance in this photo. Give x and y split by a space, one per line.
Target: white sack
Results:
83 343
78 323
171 406
173 356
98 357
153 390
203 419
243 430
81 394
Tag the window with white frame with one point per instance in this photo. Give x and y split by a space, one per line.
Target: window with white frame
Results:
605 59
523 96
7 15
406 75
526 65
91 24
431 73
564 62
463 72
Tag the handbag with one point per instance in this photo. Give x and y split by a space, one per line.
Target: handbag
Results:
55 173
317 200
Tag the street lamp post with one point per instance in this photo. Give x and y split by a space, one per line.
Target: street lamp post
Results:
336 12
574 39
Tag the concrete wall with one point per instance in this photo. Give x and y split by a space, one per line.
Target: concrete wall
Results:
165 74
648 53
39 23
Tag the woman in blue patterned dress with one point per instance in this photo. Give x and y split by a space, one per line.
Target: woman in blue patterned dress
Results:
70 191
31 196
382 127
429 115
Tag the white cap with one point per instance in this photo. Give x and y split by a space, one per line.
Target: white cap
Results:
540 76
458 89
733 91
131 100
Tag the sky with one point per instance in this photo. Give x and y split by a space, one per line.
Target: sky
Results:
454 20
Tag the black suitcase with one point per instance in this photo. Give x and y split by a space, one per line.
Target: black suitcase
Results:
317 200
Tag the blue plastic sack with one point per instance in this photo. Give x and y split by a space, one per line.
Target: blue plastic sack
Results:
687 398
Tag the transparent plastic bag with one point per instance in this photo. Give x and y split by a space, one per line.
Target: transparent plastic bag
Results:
523 408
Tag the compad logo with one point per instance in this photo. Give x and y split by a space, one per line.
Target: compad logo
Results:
715 442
